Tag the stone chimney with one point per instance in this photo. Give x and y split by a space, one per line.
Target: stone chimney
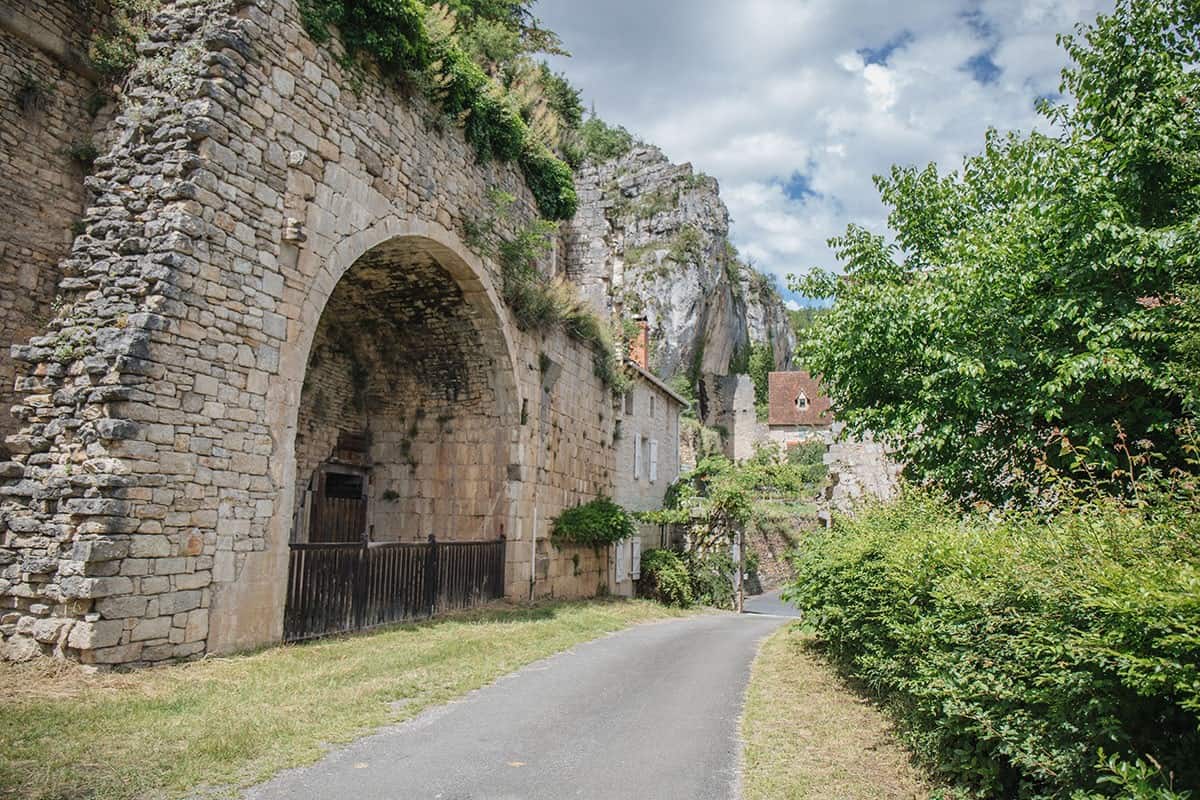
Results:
639 348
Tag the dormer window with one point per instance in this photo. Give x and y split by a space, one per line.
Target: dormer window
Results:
802 401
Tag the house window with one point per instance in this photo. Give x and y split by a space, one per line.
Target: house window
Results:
802 401
628 403
652 406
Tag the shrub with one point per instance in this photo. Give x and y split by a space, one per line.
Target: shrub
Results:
1019 651
551 181
112 48
599 522
598 141
665 578
396 36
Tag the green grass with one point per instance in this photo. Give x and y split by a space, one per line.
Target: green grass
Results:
231 722
810 736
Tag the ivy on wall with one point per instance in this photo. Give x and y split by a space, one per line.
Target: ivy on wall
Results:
414 44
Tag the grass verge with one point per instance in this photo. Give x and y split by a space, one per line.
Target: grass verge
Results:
808 735
231 722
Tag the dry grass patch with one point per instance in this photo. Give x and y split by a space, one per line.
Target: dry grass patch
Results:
230 722
808 735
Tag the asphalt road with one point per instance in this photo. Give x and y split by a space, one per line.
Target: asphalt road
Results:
650 712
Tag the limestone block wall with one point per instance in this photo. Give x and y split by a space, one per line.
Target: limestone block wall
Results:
45 93
147 507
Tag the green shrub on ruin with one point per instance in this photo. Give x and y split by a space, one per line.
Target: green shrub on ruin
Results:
412 44
597 523
112 48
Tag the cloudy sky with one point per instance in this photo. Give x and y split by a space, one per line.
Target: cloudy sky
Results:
794 104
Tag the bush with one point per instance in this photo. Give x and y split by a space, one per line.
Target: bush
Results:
665 578
599 522
1019 651
394 34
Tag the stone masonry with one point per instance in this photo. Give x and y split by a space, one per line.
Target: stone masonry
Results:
45 92
167 418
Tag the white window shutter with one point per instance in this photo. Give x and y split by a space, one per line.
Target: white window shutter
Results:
653 460
636 557
622 561
637 456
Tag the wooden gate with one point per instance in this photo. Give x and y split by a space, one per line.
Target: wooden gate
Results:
343 587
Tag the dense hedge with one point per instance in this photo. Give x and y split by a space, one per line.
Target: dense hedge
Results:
1017 651
393 34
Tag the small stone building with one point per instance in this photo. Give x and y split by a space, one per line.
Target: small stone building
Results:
647 460
797 409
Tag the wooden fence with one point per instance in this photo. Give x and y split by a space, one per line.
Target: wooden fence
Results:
343 587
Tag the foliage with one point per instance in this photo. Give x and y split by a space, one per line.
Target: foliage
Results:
112 48
458 62
808 458
598 522
682 386
1018 650
687 246
762 363
83 152
33 93
665 578
1048 289
537 301
597 141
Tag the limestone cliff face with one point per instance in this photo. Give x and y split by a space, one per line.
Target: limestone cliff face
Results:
651 238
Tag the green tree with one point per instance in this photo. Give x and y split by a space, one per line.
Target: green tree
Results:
1046 293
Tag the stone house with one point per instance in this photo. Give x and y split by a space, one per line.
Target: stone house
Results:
797 409
647 459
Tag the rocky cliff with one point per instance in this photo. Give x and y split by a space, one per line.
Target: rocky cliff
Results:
651 239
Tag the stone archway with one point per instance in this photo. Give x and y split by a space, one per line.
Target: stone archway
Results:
401 366
401 429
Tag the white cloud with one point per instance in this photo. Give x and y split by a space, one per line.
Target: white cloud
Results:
754 92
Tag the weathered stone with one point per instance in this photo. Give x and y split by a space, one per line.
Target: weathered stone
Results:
121 607
145 629
96 635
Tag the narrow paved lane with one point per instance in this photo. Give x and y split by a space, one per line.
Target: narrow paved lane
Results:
650 712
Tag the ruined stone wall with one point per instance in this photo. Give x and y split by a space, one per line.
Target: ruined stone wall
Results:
46 93
146 512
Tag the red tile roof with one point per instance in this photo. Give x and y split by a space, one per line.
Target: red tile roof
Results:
785 389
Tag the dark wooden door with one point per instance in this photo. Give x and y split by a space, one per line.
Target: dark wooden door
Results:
339 507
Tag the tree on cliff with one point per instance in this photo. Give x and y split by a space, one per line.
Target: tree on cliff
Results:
1046 292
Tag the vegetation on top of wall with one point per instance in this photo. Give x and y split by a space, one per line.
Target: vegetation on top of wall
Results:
539 302
112 48
1047 293
595 523
461 64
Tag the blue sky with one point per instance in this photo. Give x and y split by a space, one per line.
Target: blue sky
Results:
793 105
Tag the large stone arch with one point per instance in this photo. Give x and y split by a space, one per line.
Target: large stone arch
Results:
248 610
